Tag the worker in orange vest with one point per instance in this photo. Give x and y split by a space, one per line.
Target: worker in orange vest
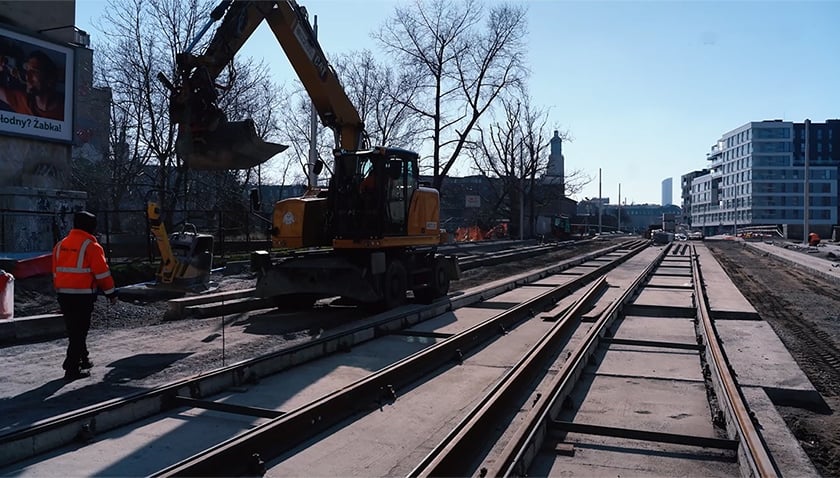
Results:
79 269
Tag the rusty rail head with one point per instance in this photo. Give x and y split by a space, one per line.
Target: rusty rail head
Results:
759 459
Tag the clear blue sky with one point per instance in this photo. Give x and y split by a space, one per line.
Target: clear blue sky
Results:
644 88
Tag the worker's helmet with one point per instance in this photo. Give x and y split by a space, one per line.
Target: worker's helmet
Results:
85 221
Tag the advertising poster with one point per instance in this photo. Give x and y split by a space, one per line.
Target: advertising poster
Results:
36 87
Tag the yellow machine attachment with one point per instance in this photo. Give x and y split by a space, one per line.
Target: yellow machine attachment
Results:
186 256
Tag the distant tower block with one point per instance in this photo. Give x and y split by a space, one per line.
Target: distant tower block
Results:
555 171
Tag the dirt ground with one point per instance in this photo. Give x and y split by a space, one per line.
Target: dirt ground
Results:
805 313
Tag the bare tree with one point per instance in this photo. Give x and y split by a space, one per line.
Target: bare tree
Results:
144 37
514 148
295 109
468 66
381 94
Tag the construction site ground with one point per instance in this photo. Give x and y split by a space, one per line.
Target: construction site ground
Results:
798 303
133 348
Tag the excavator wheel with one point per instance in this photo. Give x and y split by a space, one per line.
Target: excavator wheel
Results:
394 285
440 279
437 287
294 302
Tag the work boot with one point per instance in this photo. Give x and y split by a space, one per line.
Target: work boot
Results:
85 364
71 375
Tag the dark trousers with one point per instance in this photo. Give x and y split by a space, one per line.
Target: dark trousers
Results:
77 309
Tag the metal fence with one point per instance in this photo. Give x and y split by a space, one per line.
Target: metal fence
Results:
126 233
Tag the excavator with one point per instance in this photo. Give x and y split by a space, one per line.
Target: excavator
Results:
372 234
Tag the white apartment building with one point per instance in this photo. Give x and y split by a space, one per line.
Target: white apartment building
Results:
757 178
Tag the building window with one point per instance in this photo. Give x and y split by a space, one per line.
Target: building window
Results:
771 133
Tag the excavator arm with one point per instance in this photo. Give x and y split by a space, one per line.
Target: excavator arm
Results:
206 139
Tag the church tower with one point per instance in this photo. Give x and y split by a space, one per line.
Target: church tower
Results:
555 170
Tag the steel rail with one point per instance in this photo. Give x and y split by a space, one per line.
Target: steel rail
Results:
753 448
467 439
528 439
246 453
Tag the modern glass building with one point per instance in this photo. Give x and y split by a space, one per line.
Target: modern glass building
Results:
667 191
757 177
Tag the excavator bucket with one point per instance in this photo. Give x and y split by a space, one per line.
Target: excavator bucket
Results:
231 145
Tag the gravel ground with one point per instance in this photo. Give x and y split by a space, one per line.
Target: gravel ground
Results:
806 316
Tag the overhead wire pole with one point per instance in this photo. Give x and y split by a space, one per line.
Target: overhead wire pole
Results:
313 130
600 202
805 223
618 227
521 191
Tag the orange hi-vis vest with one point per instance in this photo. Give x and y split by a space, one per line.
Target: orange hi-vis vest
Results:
79 265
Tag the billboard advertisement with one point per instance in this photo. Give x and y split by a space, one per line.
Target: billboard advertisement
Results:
36 87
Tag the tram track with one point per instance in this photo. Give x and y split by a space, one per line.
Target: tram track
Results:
97 419
542 430
518 360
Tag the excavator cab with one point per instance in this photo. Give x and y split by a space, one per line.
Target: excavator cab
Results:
372 190
376 197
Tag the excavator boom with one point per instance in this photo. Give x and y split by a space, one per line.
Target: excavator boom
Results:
206 139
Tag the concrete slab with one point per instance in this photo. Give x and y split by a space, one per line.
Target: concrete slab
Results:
760 359
574 272
304 383
676 261
619 279
673 271
665 298
668 406
651 362
518 295
606 456
32 329
670 282
454 322
555 280
659 329
138 453
725 300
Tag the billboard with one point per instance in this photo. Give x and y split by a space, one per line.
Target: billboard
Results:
36 87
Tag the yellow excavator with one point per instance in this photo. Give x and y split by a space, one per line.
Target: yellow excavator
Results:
372 234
